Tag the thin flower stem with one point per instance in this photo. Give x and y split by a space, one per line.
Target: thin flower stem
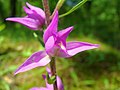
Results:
47 11
57 8
52 63
53 71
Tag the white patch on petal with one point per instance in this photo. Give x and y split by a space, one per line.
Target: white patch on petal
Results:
45 60
62 46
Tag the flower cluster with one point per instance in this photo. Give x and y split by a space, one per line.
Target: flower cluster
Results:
54 40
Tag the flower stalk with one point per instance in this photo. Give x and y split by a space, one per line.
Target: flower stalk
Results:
57 8
53 71
52 63
47 11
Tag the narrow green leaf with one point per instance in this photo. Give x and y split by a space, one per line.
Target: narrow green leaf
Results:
74 8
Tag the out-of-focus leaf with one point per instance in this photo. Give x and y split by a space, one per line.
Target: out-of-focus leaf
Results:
27 52
106 83
74 77
5 85
1 40
88 82
2 27
10 69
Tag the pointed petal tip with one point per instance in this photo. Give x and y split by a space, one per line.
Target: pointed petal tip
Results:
71 27
96 45
11 19
7 19
27 3
24 7
15 73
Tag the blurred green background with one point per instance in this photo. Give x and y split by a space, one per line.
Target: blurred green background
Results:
97 21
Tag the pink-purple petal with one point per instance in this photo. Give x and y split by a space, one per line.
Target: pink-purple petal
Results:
35 60
36 9
63 34
76 47
72 48
39 20
52 28
49 46
27 10
60 84
28 22
34 15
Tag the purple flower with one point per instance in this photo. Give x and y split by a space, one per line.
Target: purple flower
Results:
50 86
34 20
55 42
55 45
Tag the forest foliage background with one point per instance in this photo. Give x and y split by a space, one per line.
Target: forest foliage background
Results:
97 21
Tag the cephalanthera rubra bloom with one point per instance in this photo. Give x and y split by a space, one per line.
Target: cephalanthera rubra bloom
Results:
55 46
55 41
34 19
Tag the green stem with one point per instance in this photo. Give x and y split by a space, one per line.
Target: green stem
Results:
57 8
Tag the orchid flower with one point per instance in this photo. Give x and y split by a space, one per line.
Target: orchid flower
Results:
34 20
55 46
50 86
